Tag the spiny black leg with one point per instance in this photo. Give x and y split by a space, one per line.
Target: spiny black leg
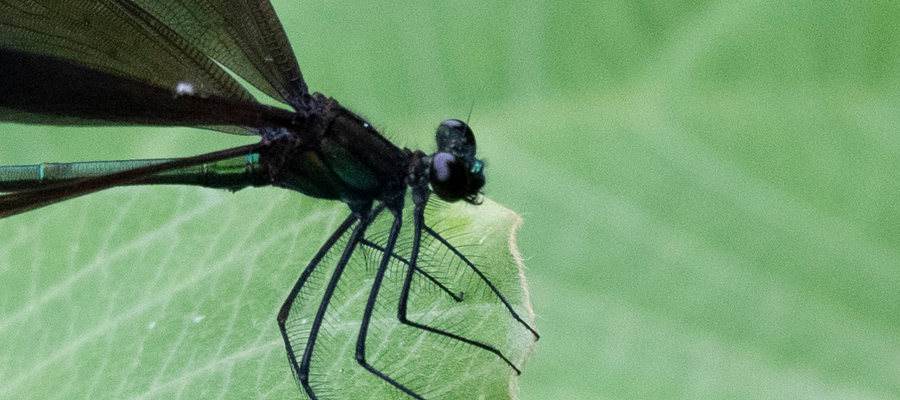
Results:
418 224
455 296
487 281
289 301
370 304
301 370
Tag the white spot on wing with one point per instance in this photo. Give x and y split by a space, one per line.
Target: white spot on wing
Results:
184 89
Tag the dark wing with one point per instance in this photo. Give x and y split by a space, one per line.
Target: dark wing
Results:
48 90
243 35
129 51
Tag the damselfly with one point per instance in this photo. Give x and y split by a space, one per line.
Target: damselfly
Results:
163 63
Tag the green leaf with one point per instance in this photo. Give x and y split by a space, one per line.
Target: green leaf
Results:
709 187
156 292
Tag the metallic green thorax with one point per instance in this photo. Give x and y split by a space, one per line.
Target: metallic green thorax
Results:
350 161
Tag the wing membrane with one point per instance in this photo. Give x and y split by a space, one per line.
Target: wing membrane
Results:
243 35
116 37
35 87
163 49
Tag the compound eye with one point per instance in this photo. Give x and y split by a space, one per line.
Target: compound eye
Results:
448 177
440 166
455 172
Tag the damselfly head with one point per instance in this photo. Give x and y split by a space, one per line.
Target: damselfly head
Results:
455 172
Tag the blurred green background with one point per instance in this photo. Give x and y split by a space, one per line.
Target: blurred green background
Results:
709 187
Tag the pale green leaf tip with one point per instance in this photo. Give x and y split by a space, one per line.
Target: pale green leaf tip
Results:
492 218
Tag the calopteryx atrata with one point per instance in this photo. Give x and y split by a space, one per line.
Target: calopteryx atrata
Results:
159 63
